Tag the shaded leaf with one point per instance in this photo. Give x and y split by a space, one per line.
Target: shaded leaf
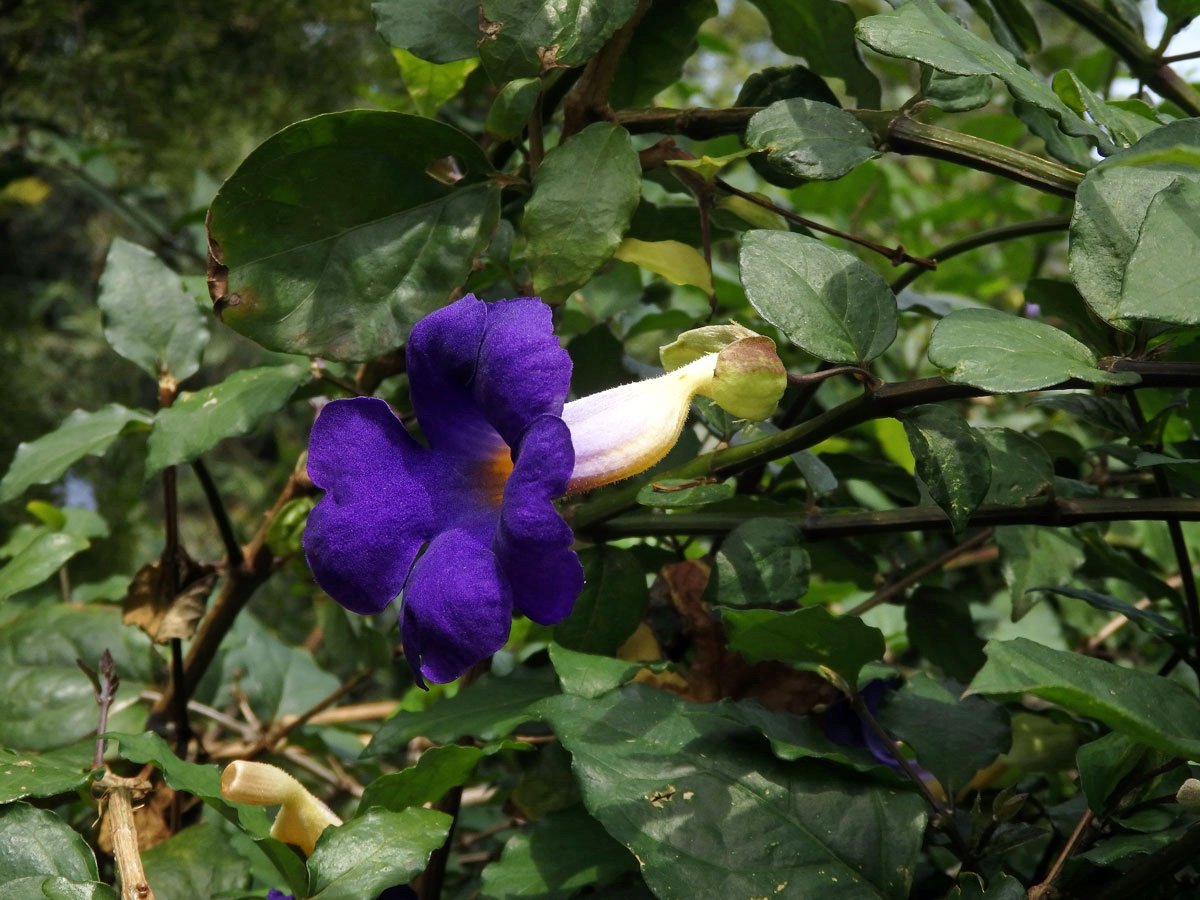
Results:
810 637
1102 764
762 563
952 738
951 460
999 352
555 856
524 38
45 701
512 107
584 195
436 771
197 863
1032 555
1021 468
81 434
373 852
589 675
36 842
491 707
1146 619
810 139
822 32
711 815
338 233
609 607
440 31
665 38
955 93
940 628
1154 710
198 422
148 317
825 300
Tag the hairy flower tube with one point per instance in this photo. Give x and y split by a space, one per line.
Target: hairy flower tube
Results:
466 527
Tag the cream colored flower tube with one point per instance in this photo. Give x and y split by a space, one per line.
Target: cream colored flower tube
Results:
302 817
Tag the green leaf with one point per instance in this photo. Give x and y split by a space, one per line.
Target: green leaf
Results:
148 317
1102 764
276 678
436 771
611 604
665 38
810 139
825 300
38 775
584 195
822 32
810 637
952 738
341 231
940 628
432 85
955 93
999 887
491 707
762 563
1179 11
675 261
998 352
374 852
679 493
1151 709
1111 219
920 30
711 815
81 434
554 857
36 842
45 701
951 460
38 560
198 422
589 675
1146 619
1021 468
776 83
524 38
512 107
1163 269
197 863
440 31
286 531
1124 127
799 737
1032 555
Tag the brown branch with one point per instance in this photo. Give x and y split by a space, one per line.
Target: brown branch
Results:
888 591
1046 889
895 255
588 100
240 584
120 795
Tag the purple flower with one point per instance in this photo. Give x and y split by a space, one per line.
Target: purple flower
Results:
273 894
843 726
466 527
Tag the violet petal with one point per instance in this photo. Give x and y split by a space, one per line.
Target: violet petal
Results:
362 537
532 542
457 607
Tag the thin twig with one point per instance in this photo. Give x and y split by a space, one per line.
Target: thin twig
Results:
233 549
317 367
105 682
1046 889
278 732
888 591
982 239
895 255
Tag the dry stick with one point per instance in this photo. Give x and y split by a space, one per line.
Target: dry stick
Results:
888 591
280 731
895 255
124 835
1046 889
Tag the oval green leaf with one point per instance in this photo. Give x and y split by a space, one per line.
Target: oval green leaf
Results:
810 139
341 231
951 460
825 300
998 352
